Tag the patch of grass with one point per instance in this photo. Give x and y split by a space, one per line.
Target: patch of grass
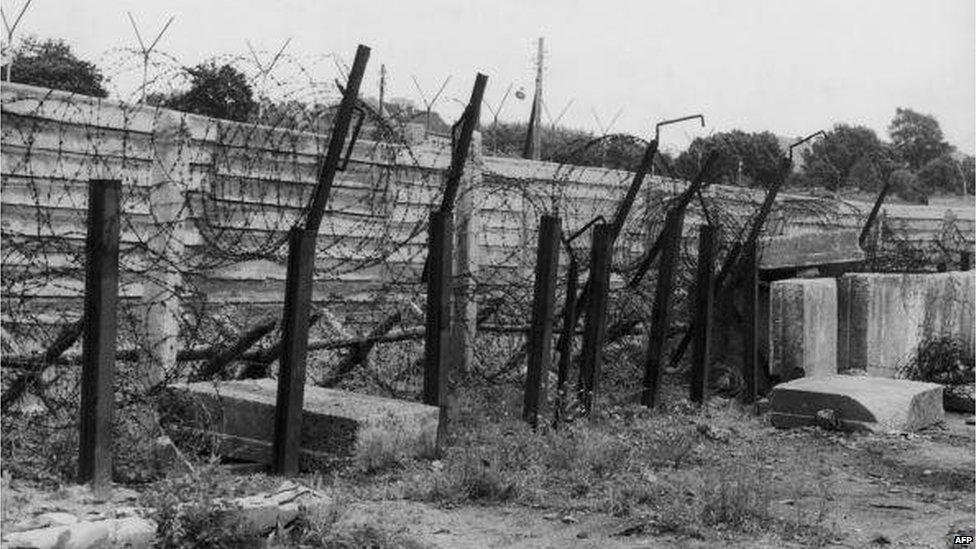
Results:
192 510
380 448
332 527
467 477
735 497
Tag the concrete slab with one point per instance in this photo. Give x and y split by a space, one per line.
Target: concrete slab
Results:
883 317
859 403
803 327
237 419
811 250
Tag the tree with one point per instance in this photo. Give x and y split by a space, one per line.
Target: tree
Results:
904 184
849 156
52 64
968 166
216 91
568 146
917 136
941 174
751 159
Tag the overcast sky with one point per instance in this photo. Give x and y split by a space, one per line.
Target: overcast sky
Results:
790 67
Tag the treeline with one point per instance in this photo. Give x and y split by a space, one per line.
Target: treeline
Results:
915 159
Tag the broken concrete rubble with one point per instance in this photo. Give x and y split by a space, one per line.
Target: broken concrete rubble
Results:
132 532
258 514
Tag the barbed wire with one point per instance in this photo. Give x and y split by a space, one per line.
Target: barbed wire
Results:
207 205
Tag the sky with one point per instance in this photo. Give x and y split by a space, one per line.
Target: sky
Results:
791 67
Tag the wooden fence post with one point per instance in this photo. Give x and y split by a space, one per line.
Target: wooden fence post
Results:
750 325
466 260
294 348
543 310
290 403
437 344
701 337
659 313
595 327
566 339
98 347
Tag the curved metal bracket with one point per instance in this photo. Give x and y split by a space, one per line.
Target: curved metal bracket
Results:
804 140
657 127
568 240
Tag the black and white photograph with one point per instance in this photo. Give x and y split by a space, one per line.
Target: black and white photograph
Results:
487 274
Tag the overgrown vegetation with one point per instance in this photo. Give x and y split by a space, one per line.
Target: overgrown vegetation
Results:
944 360
52 64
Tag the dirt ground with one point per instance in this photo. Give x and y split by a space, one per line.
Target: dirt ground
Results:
894 490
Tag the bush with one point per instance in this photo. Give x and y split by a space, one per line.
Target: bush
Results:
944 360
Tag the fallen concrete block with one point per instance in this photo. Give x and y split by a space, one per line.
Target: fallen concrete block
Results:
803 327
236 419
811 250
859 403
882 318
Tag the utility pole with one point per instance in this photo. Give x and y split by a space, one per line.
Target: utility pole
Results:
382 88
533 137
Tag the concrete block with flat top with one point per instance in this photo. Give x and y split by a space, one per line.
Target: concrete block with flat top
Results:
883 317
811 250
236 419
859 403
803 327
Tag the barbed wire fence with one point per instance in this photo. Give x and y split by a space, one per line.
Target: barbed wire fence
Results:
206 209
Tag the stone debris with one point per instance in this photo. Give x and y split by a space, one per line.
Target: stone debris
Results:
264 512
133 532
261 514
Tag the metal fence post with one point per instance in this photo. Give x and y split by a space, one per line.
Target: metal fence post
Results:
701 336
595 328
543 310
294 348
98 347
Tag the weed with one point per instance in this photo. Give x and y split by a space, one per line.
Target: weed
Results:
945 360
192 510
334 527
737 497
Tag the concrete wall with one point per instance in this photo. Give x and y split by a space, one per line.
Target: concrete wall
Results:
207 205
883 317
